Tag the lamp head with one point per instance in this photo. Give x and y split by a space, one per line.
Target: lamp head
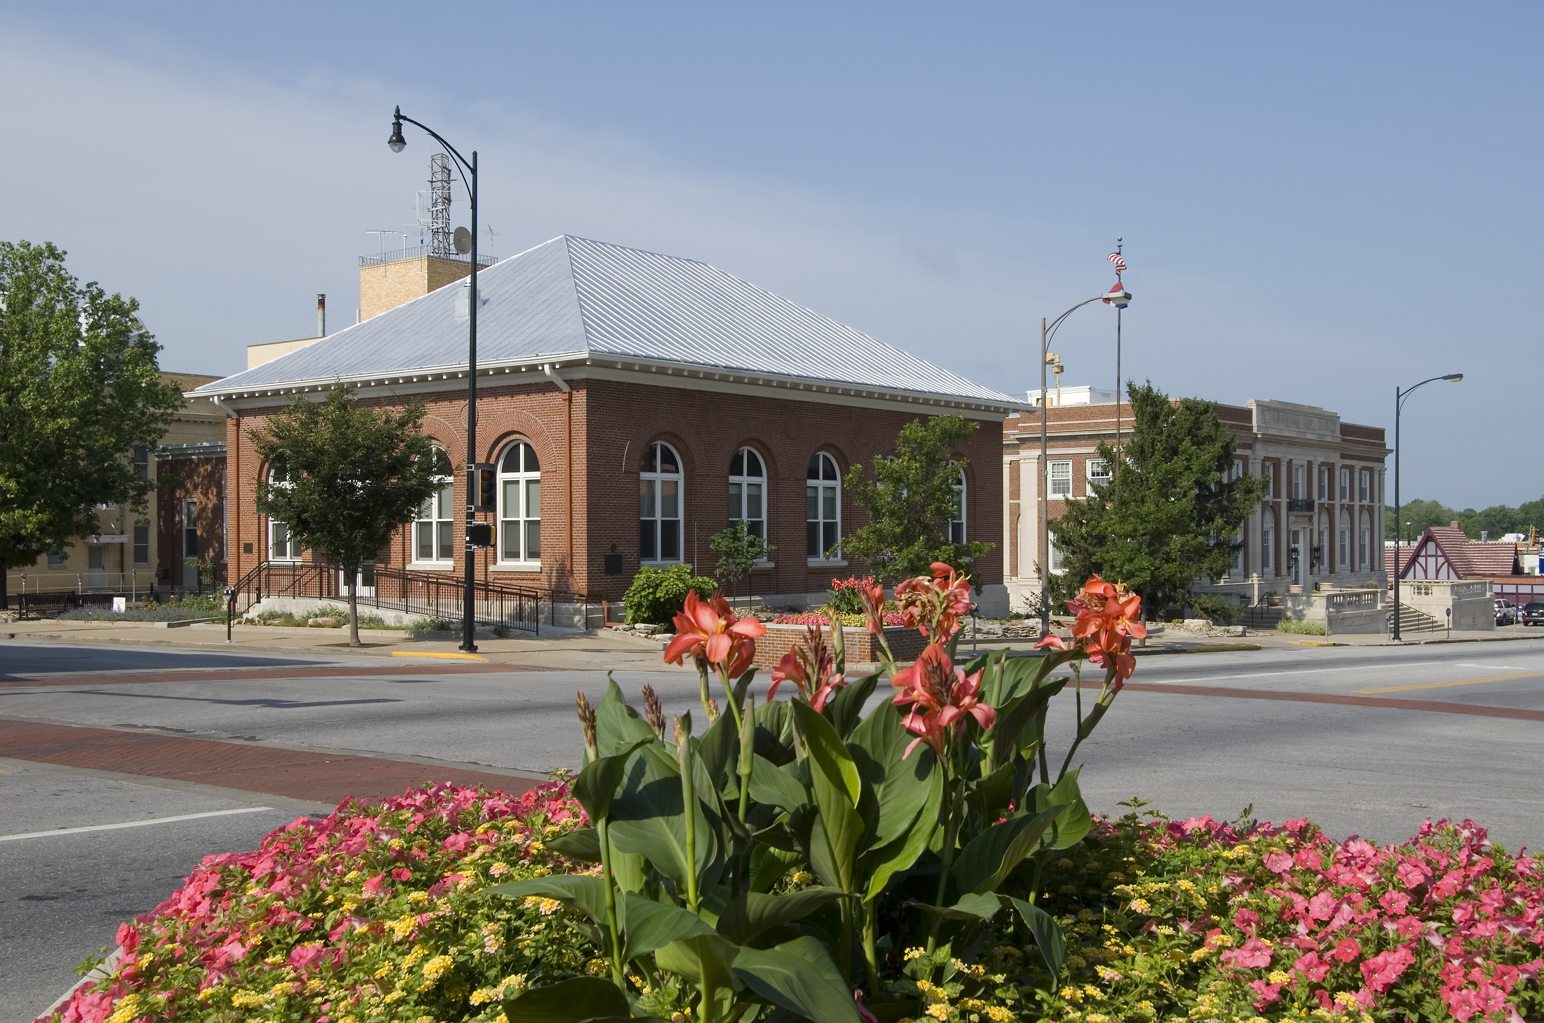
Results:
396 143
1455 377
1117 296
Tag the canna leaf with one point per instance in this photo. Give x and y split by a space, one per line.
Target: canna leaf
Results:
579 1000
797 976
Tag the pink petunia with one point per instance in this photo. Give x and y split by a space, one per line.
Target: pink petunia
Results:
1349 950
1382 970
1254 954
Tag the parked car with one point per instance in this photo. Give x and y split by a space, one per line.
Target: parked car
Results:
1506 612
1533 613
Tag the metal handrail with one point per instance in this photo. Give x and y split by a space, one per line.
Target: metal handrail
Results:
415 251
423 593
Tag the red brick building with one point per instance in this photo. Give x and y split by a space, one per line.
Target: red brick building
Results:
634 404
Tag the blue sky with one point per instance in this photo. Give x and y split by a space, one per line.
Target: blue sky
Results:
1320 201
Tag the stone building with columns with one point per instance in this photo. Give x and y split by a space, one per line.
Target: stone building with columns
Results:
1319 526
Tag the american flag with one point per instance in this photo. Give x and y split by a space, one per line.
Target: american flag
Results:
1119 263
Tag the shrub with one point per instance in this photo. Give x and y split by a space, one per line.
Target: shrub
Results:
1218 610
846 596
656 594
1301 628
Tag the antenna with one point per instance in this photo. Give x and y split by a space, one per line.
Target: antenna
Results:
381 233
439 205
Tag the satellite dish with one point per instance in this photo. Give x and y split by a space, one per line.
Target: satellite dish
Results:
462 240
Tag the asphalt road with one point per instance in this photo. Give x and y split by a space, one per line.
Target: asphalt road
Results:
1368 740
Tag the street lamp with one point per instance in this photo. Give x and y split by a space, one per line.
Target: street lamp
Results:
1399 403
1120 298
464 167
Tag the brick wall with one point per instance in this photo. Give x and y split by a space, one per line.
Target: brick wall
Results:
591 441
201 479
384 286
861 648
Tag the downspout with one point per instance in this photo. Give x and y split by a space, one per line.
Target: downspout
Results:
232 548
568 440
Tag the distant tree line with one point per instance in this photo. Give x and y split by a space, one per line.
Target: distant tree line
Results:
1495 521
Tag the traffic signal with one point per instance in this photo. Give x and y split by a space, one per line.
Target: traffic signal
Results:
487 497
480 534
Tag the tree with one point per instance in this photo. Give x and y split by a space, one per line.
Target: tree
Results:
348 476
738 551
912 499
81 389
1170 513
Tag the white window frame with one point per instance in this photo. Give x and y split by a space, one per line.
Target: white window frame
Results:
957 531
519 469
653 484
1236 568
1055 562
1364 486
823 498
189 531
436 516
1364 546
1058 479
1323 491
1267 548
1343 563
740 500
1297 482
141 529
58 557
1103 476
1345 483
282 546
1269 472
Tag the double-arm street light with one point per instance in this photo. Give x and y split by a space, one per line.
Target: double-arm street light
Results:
1399 402
1120 298
468 171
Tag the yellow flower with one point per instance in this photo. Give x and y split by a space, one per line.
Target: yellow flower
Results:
938 1010
1141 906
482 996
1279 977
126 1009
913 953
499 869
437 967
997 1014
1071 995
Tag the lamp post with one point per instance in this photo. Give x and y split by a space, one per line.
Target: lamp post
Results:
1399 403
1120 298
468 171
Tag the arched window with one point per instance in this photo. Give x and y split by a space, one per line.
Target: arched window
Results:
434 526
281 546
659 504
822 508
957 520
519 505
748 492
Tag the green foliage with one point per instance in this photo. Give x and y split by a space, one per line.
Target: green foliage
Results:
905 847
80 388
845 597
1300 628
354 474
738 552
1495 521
656 594
1220 610
910 500
1169 513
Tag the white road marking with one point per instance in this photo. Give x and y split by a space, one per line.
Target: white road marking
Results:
1493 667
133 824
1273 674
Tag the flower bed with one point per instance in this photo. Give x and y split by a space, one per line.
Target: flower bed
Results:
378 912
1165 920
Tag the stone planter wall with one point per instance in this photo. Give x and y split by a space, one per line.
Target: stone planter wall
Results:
862 648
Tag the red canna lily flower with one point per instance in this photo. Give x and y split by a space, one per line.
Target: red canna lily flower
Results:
941 697
873 594
710 629
934 606
1108 619
811 666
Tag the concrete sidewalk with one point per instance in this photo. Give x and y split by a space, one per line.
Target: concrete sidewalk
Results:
609 649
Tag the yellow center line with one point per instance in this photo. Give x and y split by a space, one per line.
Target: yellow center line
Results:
1456 682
